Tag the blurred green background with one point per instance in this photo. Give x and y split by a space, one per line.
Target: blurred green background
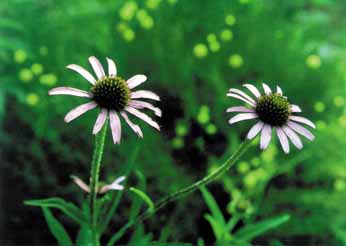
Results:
192 52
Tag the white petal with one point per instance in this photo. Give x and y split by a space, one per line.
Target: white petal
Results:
253 89
78 111
143 116
115 126
255 130
266 89
145 94
241 98
81 184
239 92
139 105
68 91
133 126
295 108
279 91
100 121
301 130
97 66
82 72
266 136
283 139
295 139
136 80
113 186
242 116
112 69
302 120
240 109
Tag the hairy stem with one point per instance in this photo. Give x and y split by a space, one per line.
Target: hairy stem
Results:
94 180
184 191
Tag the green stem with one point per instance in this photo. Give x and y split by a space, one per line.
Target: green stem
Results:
94 180
183 192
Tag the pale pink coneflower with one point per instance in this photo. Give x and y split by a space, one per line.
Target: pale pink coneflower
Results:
114 96
273 111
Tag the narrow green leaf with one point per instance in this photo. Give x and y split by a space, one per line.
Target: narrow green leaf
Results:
67 207
56 228
84 237
249 232
215 225
144 197
213 206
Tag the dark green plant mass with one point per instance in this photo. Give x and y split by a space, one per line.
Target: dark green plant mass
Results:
191 52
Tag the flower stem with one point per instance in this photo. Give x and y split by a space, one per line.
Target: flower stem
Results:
184 191
94 180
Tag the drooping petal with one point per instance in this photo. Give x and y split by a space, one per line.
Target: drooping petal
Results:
241 98
82 72
140 104
133 126
136 80
239 92
266 89
112 69
295 109
115 126
100 121
145 94
78 111
81 184
283 140
113 186
253 89
302 120
295 139
266 135
97 66
143 116
68 91
279 91
242 116
301 130
240 109
255 130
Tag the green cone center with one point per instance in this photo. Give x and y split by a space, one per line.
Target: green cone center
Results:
111 93
273 109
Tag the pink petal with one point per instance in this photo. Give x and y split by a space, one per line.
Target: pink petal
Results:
68 91
293 137
241 98
240 109
302 120
145 94
81 184
113 186
115 126
266 136
136 80
295 108
100 121
266 89
242 116
112 69
283 140
255 130
279 91
96 65
253 89
78 111
133 126
301 130
142 116
239 92
82 72
139 105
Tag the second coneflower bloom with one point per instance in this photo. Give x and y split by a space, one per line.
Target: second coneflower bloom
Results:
273 111
114 96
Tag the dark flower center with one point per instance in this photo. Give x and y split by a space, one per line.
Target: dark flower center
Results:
273 109
111 93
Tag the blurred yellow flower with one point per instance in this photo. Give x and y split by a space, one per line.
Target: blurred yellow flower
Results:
243 167
200 50
235 61
37 68
339 184
230 20
48 79
211 129
20 56
211 38
203 116
25 75
339 101
128 10
214 46
321 125
313 61
32 99
181 130
319 107
226 35
177 143
129 35
152 4
342 120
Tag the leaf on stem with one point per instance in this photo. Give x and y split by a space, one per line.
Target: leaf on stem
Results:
144 197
